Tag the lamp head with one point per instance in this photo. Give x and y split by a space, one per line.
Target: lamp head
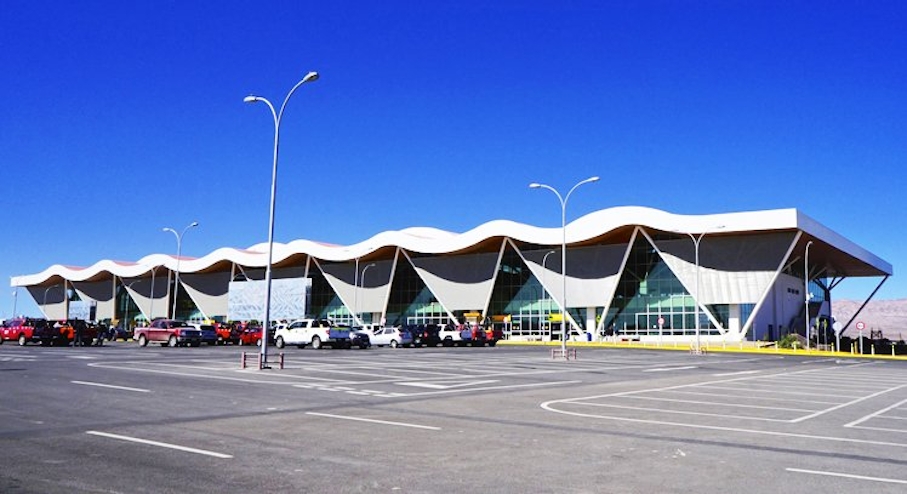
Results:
594 179
194 223
534 185
250 99
311 76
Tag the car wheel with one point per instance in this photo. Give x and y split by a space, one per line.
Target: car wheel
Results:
22 340
220 340
363 346
143 341
316 343
447 342
172 342
492 343
393 343
279 342
196 344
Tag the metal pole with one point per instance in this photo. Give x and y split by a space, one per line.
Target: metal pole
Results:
311 76
362 285
179 246
563 201
544 271
15 300
151 309
806 291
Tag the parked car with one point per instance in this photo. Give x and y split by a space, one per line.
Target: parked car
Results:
24 330
360 337
392 337
117 333
168 332
450 335
208 332
315 332
228 333
427 335
250 336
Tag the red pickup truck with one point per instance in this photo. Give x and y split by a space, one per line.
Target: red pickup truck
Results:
26 330
168 332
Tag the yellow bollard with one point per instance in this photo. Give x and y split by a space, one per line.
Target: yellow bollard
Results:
873 349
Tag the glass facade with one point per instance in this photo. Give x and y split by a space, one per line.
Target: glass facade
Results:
410 300
648 291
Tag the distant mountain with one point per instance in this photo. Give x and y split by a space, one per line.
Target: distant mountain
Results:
890 316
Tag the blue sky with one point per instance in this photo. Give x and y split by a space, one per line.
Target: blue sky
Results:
121 118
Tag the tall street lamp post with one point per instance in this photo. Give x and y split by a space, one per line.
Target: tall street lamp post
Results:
44 305
563 201
806 291
544 270
360 283
697 239
15 300
179 247
311 76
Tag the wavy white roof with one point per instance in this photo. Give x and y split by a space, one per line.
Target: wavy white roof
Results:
434 241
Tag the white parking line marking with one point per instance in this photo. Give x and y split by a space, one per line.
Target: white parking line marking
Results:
847 475
740 373
111 386
871 415
444 386
717 403
668 369
677 412
373 421
548 406
842 405
160 444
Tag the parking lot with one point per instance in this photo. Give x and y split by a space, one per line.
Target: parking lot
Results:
508 419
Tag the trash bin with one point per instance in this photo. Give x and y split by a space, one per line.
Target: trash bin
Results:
588 336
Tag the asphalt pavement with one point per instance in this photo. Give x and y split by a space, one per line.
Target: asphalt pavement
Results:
124 419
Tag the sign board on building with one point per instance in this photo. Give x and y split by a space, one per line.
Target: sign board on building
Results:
80 309
246 299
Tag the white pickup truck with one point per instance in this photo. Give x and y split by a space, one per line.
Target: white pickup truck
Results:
315 332
450 335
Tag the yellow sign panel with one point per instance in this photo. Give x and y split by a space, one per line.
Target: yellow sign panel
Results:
555 317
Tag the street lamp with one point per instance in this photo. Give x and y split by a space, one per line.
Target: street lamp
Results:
563 201
179 246
15 300
696 242
544 271
44 305
360 283
311 76
151 309
806 291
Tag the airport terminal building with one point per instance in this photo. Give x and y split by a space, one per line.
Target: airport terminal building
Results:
631 272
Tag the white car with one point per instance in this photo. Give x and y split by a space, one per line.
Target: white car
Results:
450 335
392 337
315 332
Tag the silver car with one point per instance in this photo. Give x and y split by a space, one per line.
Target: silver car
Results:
392 337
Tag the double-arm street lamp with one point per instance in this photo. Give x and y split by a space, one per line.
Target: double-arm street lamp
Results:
697 239
360 283
179 248
806 292
311 76
563 200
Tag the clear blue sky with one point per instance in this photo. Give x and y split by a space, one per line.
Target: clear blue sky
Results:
121 118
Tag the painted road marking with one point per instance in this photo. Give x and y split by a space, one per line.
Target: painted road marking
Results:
445 386
111 386
160 444
741 373
872 415
668 369
373 421
847 475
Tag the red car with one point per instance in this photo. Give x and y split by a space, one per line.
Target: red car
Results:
250 336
